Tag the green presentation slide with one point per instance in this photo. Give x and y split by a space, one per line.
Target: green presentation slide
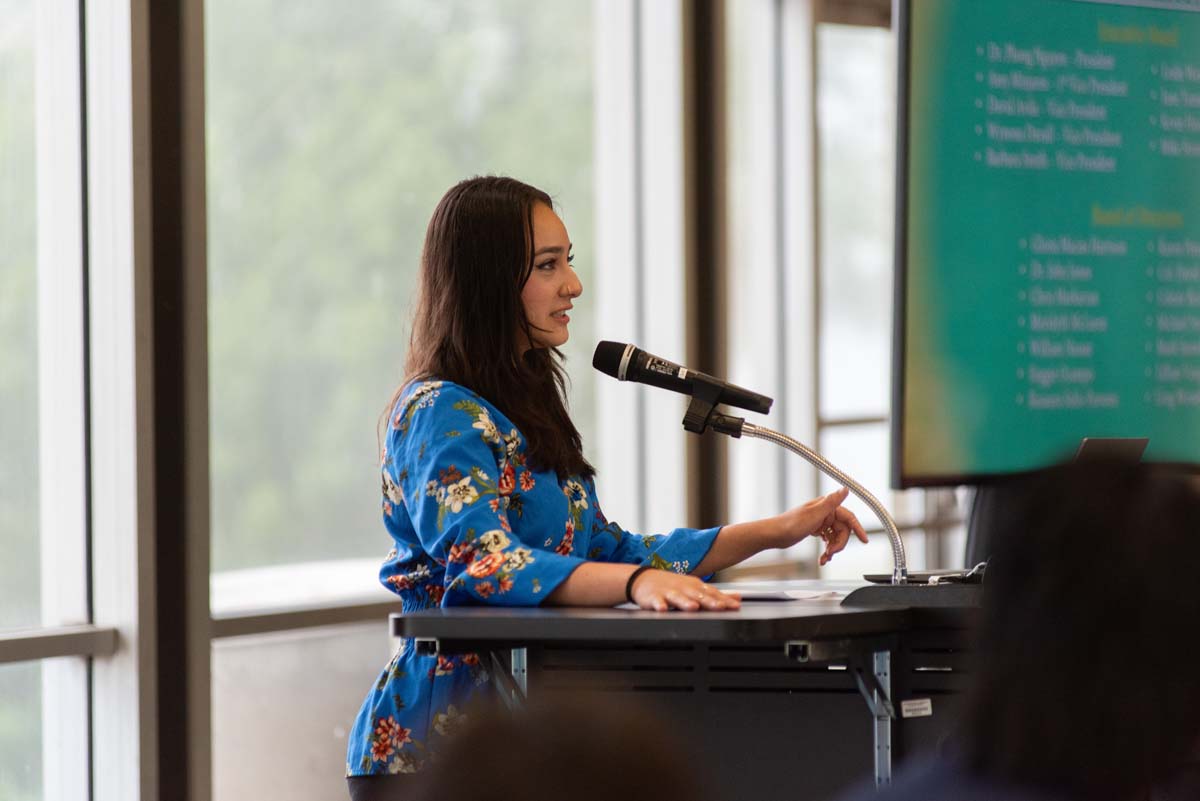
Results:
1052 237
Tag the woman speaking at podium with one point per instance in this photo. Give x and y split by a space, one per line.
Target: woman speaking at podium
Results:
485 490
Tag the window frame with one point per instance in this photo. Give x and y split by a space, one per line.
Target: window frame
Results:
940 511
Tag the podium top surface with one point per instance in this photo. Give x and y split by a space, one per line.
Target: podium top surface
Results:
756 621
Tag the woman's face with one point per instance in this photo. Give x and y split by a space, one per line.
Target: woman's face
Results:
553 284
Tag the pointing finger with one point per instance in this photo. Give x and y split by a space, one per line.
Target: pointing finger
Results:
852 521
836 497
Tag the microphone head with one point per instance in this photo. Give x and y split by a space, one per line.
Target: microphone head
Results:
607 358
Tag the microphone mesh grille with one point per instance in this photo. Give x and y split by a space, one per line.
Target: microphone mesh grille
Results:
607 358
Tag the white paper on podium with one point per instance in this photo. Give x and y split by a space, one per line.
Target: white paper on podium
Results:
765 592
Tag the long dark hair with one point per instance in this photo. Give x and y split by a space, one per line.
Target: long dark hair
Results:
1085 678
470 323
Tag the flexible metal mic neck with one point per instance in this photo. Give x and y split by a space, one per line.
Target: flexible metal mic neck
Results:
899 562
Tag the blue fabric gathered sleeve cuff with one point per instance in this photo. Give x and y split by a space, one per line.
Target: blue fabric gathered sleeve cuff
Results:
680 551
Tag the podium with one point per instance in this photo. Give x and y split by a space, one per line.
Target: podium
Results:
778 700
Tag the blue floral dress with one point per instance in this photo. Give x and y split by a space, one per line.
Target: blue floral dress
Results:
473 523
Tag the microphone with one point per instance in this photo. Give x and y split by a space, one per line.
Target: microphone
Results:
628 363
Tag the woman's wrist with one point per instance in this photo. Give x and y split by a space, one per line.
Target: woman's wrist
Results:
633 577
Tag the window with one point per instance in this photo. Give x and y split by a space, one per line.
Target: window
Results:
20 731
45 638
769 213
20 685
810 204
332 132
256 681
19 586
856 125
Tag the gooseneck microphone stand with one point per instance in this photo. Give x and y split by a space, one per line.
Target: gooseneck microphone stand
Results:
899 563
701 416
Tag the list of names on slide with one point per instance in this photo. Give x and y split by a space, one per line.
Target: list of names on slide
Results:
1178 121
1127 99
1041 108
1048 109
1175 322
1063 321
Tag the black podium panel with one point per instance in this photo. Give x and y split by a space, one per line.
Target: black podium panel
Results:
757 724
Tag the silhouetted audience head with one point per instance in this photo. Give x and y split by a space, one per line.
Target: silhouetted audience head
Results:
1086 683
586 749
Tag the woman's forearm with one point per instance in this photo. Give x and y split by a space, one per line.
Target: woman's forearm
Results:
593 584
824 516
736 542
603 583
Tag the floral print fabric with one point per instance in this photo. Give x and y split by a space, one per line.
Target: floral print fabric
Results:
473 523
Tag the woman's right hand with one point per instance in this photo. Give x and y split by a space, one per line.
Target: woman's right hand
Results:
660 590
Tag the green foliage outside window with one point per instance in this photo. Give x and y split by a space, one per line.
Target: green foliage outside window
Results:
333 129
20 721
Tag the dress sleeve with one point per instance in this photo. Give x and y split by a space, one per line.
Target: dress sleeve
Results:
448 457
680 551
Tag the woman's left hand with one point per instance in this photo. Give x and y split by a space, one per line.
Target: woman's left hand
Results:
823 517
